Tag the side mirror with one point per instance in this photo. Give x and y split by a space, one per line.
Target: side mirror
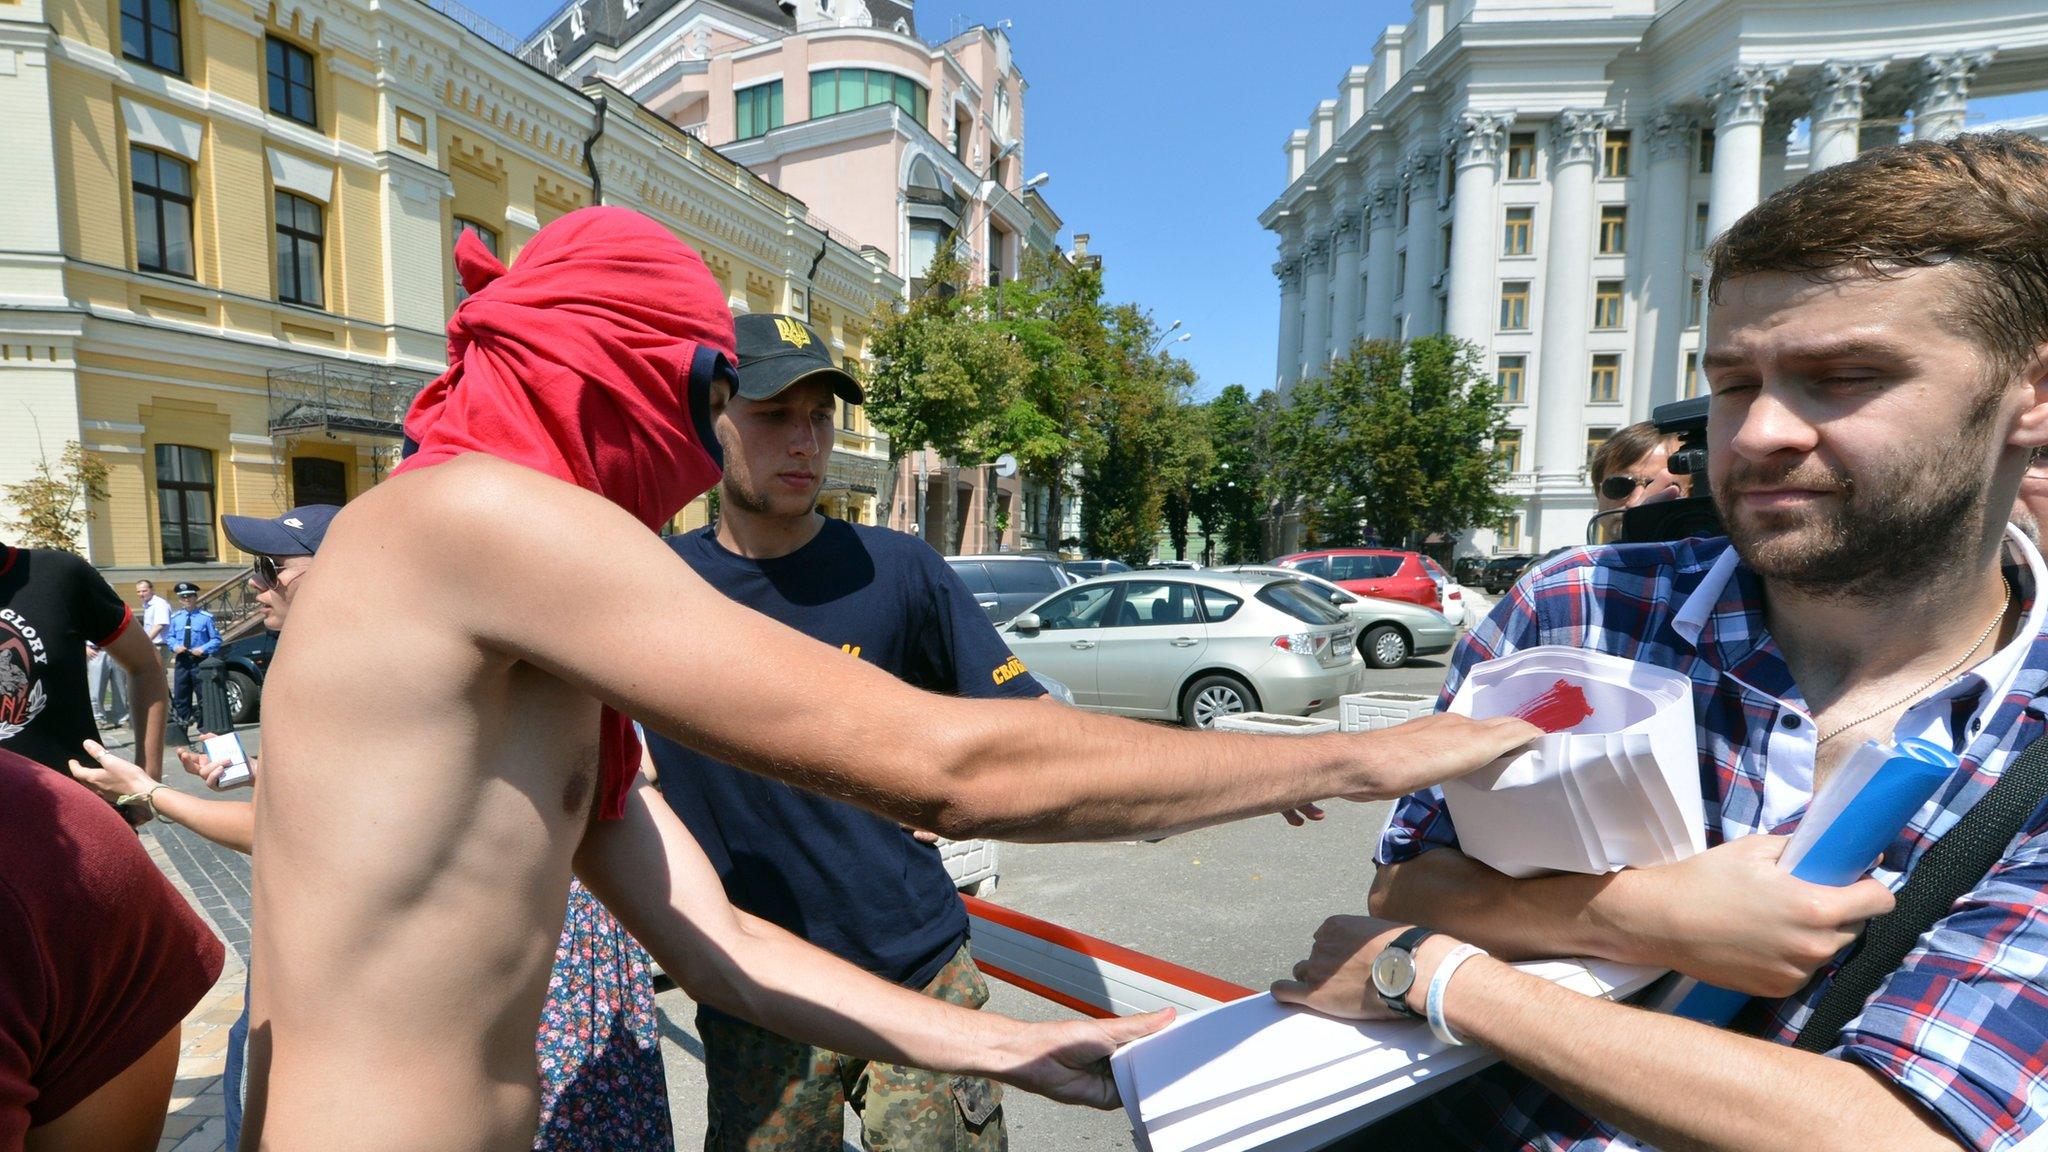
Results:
1027 623
1339 599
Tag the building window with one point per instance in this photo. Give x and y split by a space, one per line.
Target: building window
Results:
1521 155
184 503
1613 229
1407 202
1695 300
291 80
1508 450
757 110
1514 241
484 233
963 135
1595 437
162 188
1706 151
1605 385
1699 226
1614 155
150 33
1607 310
836 90
300 237
1400 273
1510 375
1510 535
1690 386
1443 312
1514 306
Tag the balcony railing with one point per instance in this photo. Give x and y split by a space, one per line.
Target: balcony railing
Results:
334 398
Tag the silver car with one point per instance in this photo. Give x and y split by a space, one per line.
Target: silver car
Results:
1191 646
1388 631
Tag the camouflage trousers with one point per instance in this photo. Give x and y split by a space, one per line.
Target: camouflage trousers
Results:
771 1094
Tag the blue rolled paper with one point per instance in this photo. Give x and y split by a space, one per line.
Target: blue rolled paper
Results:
1844 853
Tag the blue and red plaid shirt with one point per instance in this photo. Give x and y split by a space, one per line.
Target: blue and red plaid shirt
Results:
1962 1026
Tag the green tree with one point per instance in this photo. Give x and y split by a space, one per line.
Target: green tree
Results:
56 502
939 374
1230 500
1395 437
1123 479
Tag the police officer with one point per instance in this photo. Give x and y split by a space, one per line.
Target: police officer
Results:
192 637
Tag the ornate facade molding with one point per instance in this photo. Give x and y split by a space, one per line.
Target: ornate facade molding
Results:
1345 233
1382 202
1479 136
1418 169
1288 271
1670 132
1575 135
1744 95
1945 82
1839 88
1315 256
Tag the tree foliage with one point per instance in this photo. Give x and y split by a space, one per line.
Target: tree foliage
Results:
1230 498
1394 440
56 502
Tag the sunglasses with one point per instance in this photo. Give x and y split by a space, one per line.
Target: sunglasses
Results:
265 576
1622 487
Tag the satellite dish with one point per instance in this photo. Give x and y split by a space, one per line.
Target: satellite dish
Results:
1006 465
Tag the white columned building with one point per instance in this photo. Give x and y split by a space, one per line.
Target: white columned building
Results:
1583 155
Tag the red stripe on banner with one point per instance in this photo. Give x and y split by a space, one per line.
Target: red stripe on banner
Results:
1052 994
1200 983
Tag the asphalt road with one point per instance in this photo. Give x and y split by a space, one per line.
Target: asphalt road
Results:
1239 902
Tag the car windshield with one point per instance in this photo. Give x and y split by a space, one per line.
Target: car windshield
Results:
1032 576
1299 601
1081 608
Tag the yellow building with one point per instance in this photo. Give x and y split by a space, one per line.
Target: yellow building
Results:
225 245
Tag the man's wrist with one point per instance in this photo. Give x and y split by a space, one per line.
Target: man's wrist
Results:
1428 956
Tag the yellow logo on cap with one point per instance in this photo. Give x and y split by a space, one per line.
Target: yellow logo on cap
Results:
792 332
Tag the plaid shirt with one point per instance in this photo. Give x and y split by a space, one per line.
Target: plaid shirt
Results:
1962 1026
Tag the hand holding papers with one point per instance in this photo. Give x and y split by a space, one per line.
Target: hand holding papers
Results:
1614 784
1257 1074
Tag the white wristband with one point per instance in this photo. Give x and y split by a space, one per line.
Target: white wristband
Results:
1433 1006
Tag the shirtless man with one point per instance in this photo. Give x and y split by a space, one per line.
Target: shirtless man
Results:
421 814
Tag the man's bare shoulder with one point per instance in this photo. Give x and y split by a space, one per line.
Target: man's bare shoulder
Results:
475 499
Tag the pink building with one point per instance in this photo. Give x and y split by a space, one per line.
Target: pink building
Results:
896 144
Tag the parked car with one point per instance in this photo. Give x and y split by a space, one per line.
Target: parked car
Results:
1388 573
1500 572
1466 569
1450 596
1174 566
1005 584
248 659
1088 569
1388 631
1191 646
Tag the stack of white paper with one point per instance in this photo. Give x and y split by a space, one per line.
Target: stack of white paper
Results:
1256 1074
1619 789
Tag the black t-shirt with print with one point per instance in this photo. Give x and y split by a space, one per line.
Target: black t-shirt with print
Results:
851 882
51 605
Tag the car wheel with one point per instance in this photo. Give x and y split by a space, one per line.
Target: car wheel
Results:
1384 646
1212 696
243 696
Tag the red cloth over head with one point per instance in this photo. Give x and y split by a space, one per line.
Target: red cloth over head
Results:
579 362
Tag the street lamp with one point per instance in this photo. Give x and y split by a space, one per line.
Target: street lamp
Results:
1037 181
1165 343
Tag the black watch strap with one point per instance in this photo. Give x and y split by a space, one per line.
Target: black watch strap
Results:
1407 942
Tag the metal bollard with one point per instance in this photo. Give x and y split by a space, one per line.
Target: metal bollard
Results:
214 714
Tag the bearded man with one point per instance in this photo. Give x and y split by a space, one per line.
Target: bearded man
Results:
1878 358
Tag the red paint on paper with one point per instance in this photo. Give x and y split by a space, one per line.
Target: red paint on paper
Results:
1561 707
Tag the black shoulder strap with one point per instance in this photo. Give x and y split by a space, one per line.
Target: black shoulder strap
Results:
1945 873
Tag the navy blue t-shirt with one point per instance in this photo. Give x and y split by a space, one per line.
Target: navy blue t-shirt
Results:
853 883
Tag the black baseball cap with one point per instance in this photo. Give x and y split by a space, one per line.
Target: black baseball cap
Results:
778 351
296 533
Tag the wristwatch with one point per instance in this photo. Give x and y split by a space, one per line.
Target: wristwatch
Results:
1393 970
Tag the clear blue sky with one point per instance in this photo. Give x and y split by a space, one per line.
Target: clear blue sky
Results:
1162 125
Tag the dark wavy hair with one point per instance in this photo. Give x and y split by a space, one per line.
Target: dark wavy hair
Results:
1978 201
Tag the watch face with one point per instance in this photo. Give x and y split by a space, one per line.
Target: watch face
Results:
1393 973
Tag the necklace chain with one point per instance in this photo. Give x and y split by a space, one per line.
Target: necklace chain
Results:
2004 604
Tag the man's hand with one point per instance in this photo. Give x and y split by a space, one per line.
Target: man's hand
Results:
1731 917
1296 817
208 770
1431 749
114 777
1336 979
1068 1061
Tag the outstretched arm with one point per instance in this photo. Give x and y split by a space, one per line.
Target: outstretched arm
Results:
655 879
149 700
740 687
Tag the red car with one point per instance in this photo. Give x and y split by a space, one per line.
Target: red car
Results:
1387 573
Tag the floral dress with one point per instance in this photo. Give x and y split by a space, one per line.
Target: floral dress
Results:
601 1083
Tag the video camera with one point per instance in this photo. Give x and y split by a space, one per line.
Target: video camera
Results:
1692 515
